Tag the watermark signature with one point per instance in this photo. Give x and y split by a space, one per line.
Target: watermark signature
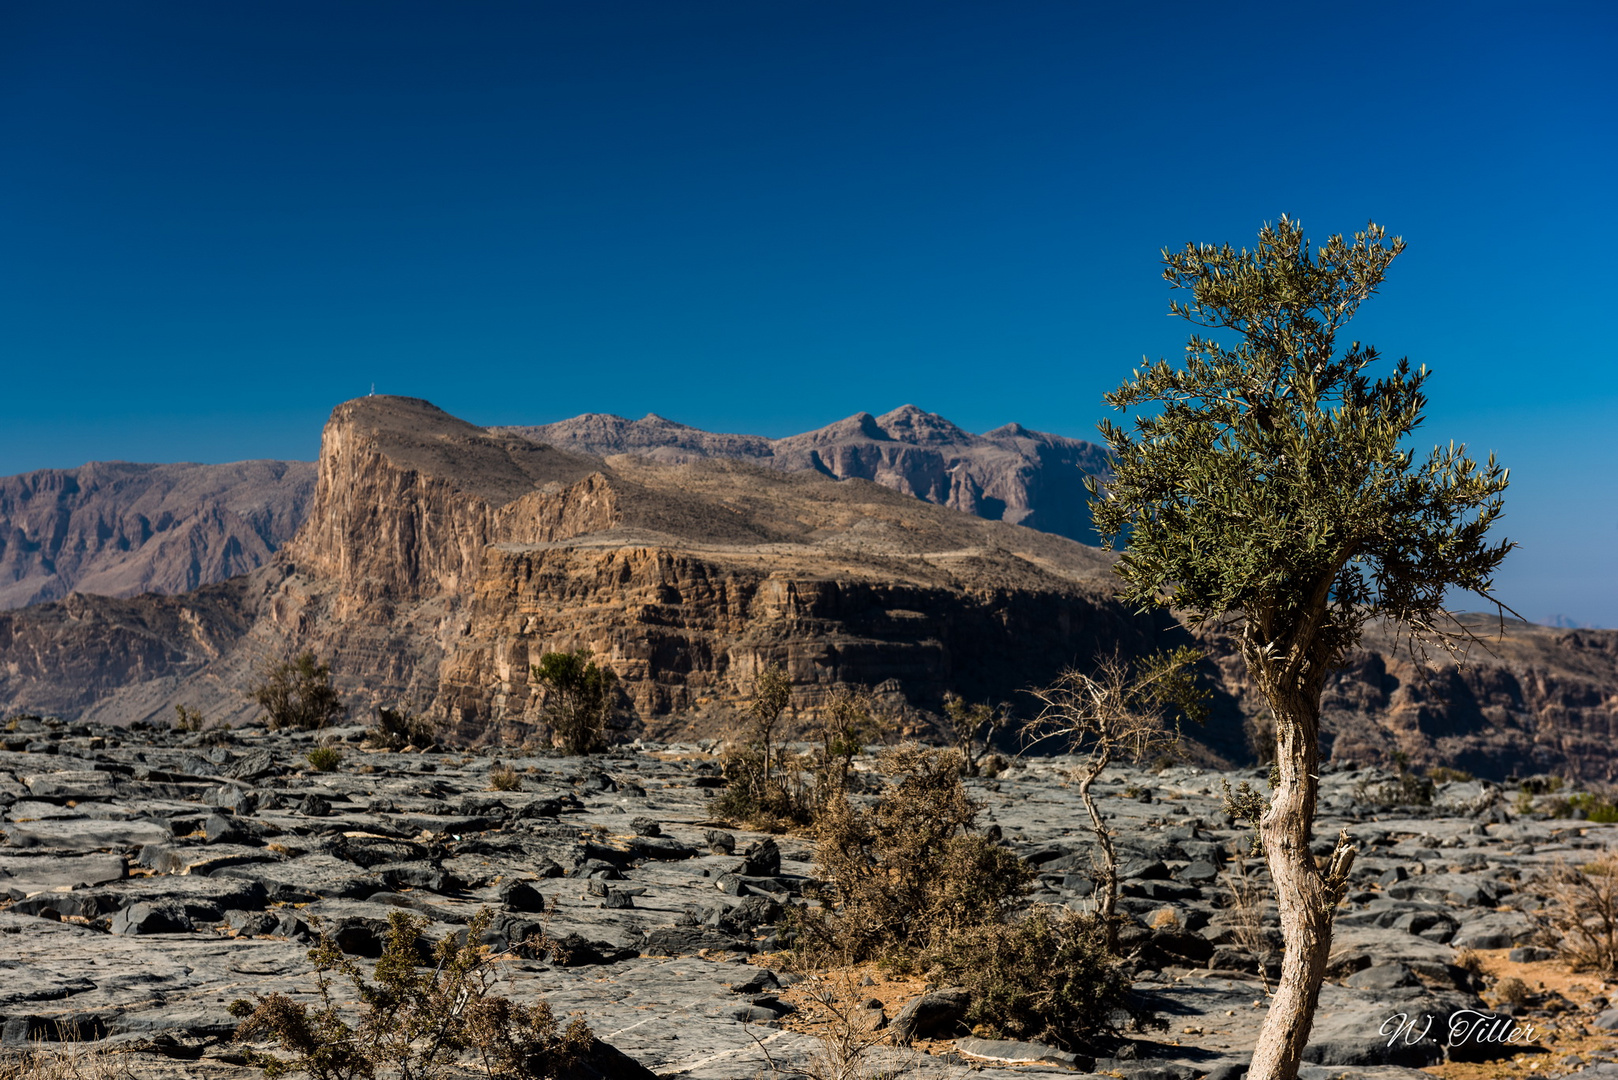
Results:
1465 1026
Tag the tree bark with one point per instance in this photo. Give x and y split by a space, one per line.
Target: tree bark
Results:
1107 887
1305 897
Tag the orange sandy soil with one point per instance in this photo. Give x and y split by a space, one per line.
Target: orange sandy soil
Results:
1555 1037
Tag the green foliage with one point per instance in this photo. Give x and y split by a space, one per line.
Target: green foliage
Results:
844 726
1268 477
325 758
298 694
1247 804
396 729
1047 976
578 696
1597 809
414 1022
760 793
187 718
909 872
1443 774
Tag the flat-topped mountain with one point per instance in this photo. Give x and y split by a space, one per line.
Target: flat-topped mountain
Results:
121 529
440 560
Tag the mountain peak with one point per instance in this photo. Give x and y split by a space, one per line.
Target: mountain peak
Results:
910 424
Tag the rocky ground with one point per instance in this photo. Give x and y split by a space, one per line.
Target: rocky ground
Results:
149 879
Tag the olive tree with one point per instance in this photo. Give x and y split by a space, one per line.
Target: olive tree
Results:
1266 484
578 697
297 693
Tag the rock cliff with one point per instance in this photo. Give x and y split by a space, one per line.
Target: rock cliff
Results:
439 560
1008 474
122 529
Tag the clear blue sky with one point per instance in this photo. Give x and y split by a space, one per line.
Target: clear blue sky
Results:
217 220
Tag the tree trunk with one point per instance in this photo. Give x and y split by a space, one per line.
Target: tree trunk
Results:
1305 897
1107 887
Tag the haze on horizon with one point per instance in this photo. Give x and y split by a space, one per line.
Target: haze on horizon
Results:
221 221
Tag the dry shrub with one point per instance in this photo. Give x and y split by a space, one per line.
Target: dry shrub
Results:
504 778
1583 917
762 792
1247 898
1512 991
68 1059
1047 976
846 1039
909 872
416 1020
396 729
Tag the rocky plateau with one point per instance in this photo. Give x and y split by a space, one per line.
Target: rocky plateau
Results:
149 878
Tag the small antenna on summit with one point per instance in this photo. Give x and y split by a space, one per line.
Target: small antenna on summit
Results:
373 391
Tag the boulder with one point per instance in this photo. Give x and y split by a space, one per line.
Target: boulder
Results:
151 918
934 1015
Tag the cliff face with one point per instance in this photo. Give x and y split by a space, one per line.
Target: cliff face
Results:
121 529
440 560
1008 474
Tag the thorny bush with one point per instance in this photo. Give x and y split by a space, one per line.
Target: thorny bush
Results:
415 1022
1047 976
908 872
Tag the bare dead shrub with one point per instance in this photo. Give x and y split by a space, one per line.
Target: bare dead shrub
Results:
70 1057
1247 897
1583 916
1119 711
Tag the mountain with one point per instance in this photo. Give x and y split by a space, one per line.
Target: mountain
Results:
122 529
1008 474
439 560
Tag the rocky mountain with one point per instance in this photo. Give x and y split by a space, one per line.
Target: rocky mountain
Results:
440 560
121 529
1008 474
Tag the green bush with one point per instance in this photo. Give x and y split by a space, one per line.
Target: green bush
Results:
414 1022
578 697
325 758
298 694
1047 976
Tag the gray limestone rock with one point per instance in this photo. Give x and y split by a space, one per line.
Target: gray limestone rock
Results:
151 918
933 1015
1020 1053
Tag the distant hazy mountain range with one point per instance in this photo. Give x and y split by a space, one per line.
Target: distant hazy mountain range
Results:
121 529
1008 474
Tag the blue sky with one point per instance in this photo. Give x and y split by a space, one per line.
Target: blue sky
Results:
219 220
